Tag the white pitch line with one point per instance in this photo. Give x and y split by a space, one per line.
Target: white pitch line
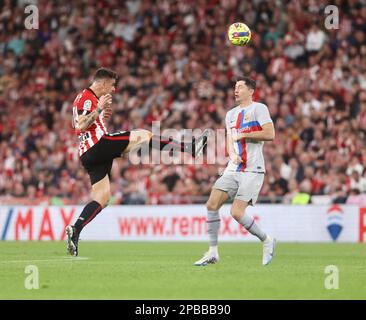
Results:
47 260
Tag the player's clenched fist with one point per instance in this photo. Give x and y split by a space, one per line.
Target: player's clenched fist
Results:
105 101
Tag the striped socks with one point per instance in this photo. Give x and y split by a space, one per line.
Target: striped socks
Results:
248 223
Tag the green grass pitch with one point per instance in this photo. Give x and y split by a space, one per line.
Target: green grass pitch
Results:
160 270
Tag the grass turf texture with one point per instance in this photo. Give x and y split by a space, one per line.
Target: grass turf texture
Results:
126 270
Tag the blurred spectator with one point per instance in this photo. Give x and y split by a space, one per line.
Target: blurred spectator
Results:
358 182
304 194
315 38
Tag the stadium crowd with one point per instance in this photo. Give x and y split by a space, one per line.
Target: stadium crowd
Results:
177 66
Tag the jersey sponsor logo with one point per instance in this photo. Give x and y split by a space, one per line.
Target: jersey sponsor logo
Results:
87 105
84 136
232 123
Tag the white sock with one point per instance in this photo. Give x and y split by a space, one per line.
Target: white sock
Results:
248 223
213 250
213 226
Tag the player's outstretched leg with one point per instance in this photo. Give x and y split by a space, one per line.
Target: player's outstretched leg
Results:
217 198
238 213
142 136
195 148
101 195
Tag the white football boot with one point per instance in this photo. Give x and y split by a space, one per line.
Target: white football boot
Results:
208 257
72 240
268 250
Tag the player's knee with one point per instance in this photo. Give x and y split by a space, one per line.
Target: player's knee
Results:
236 214
212 205
149 134
141 136
148 137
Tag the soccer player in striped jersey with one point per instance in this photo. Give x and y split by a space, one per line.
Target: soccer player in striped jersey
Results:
98 148
248 125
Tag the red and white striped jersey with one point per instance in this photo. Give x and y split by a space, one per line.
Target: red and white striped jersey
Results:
86 102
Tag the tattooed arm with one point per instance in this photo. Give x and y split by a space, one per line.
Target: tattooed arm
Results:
86 121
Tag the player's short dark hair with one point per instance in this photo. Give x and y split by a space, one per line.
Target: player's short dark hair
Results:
104 73
248 81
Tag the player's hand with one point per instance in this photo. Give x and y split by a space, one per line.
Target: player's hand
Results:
235 158
238 136
107 113
105 101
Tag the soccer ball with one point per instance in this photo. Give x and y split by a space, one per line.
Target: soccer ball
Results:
239 34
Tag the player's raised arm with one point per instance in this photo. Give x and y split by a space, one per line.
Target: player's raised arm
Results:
85 121
266 132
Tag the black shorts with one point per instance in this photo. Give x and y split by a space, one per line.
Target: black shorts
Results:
98 160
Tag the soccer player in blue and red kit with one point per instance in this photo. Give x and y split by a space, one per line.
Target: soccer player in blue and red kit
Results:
248 126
